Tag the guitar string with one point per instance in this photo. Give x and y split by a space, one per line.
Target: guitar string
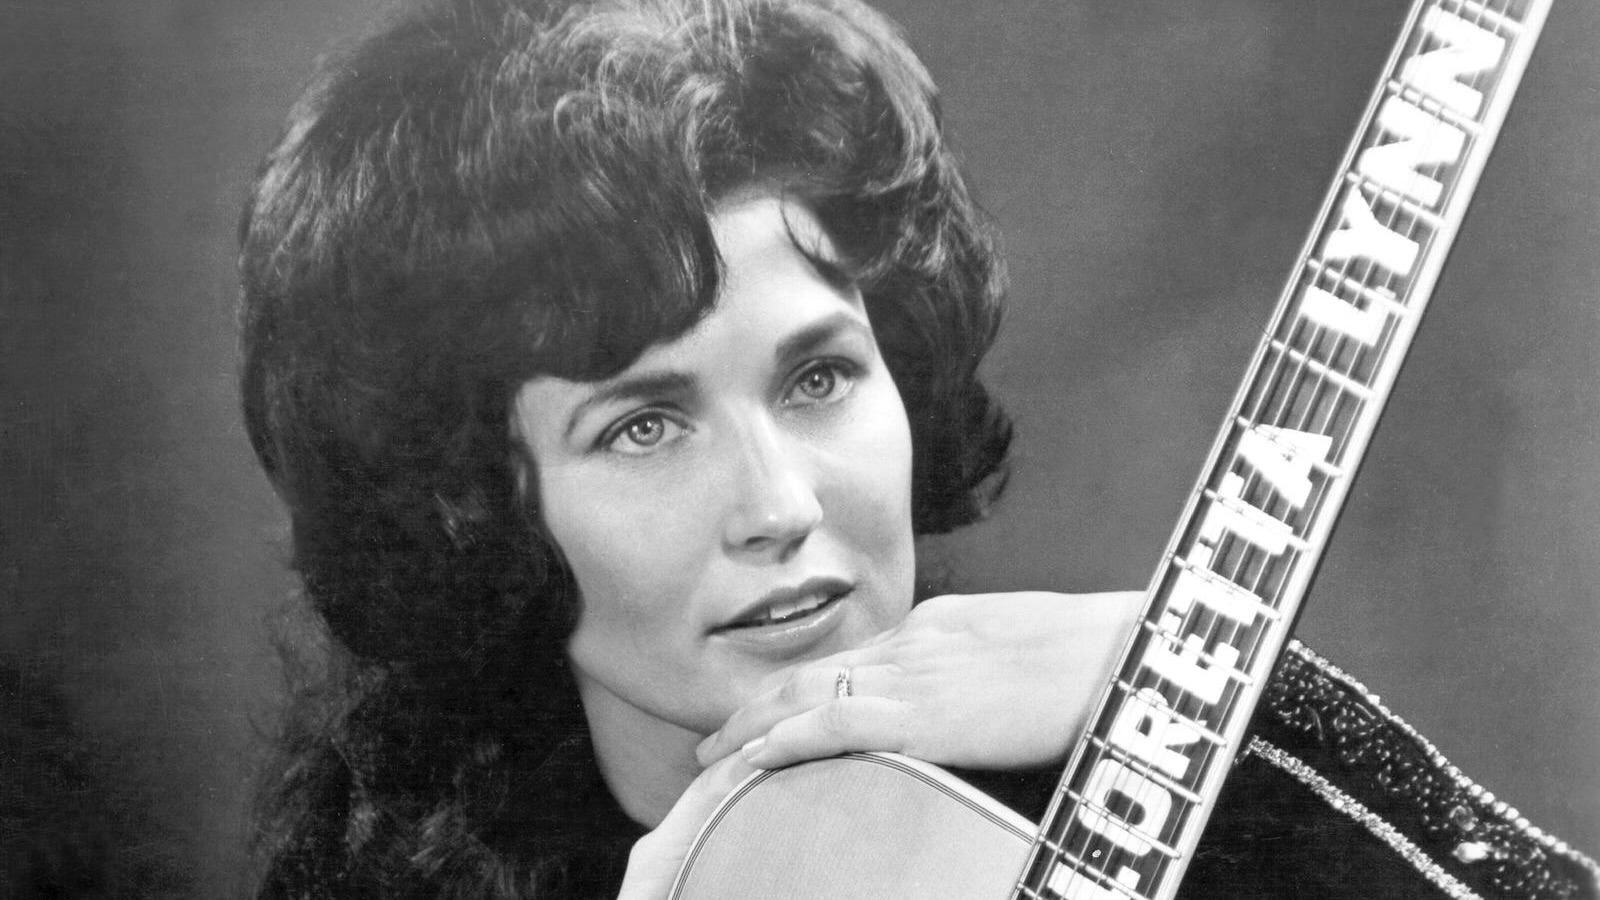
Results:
1306 395
1490 83
1375 359
1357 358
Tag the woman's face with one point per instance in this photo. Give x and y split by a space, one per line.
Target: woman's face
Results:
737 500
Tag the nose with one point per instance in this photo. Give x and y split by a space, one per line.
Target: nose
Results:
775 503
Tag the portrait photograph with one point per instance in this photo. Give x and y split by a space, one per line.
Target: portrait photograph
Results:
449 446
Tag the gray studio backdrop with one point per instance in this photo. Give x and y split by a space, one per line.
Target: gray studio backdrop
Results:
1154 166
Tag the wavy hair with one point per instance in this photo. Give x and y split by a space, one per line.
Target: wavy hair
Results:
493 190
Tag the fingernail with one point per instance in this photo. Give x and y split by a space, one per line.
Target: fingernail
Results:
753 749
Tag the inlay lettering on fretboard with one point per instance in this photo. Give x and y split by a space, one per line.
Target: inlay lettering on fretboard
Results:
1135 798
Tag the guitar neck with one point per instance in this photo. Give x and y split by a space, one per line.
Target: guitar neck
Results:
1136 795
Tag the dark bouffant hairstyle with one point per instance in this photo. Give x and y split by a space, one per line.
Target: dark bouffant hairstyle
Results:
493 190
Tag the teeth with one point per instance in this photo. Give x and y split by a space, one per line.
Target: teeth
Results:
781 611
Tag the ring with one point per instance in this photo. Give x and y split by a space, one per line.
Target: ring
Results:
841 683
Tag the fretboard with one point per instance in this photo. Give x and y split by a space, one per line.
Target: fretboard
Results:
1141 784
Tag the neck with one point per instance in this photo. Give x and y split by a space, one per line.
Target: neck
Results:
647 763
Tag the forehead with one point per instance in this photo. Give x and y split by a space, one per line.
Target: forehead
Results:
779 293
774 254
755 230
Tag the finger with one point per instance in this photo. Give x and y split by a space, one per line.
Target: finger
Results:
838 726
656 858
804 688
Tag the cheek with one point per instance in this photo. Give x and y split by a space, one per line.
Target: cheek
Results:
886 457
612 546
890 474
875 500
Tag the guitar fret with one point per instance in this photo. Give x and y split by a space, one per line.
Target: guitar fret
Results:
1321 466
1400 201
1105 812
1435 107
1067 858
1072 863
1261 605
1210 736
1350 386
1481 13
1243 679
1294 542
1260 573
1147 770
1320 267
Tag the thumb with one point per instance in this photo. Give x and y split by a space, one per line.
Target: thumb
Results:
657 857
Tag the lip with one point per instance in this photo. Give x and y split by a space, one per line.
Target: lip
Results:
822 586
792 635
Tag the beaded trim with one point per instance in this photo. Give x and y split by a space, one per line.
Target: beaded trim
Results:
1314 697
1369 820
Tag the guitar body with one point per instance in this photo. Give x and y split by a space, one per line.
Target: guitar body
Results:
857 827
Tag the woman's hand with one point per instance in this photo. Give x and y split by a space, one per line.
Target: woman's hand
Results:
984 681
656 858
989 681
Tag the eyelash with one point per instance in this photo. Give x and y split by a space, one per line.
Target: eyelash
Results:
842 372
613 436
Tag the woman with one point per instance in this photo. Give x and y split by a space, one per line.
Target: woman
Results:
609 358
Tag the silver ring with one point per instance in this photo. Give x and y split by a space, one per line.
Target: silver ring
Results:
841 683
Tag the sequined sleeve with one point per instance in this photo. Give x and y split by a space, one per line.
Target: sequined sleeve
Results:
1375 784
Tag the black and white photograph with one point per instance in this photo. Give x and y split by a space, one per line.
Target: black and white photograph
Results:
680 449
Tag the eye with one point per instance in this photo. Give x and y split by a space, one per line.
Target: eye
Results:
646 431
821 382
817 383
641 433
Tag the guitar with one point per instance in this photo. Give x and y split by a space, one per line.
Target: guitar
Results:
1131 807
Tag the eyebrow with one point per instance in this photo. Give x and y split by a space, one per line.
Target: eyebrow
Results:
820 332
631 388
